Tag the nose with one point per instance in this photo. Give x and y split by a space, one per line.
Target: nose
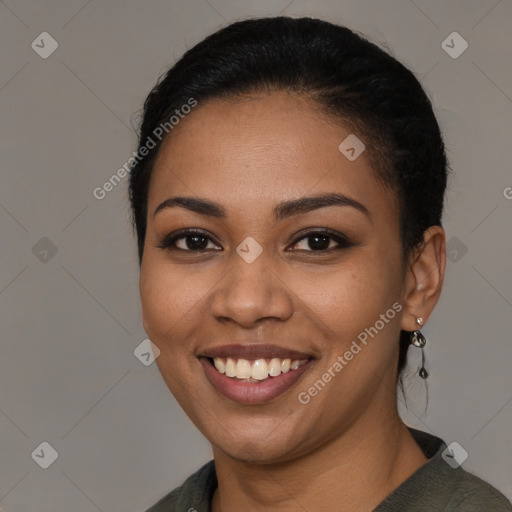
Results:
251 292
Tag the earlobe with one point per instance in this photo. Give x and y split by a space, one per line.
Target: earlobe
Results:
424 279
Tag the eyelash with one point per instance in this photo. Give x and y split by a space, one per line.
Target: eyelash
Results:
168 241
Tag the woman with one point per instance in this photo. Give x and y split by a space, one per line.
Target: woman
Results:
287 197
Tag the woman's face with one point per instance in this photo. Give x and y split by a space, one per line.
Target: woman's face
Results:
272 276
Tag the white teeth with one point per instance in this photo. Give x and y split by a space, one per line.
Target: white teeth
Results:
243 369
230 368
295 364
255 370
259 369
219 364
274 367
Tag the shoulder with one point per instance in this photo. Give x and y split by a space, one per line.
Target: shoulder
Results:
463 490
441 485
193 495
472 494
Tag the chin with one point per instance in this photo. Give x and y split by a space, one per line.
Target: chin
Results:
256 451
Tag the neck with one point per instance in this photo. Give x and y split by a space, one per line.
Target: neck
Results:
355 471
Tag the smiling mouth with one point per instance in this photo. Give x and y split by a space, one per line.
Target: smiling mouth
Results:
255 370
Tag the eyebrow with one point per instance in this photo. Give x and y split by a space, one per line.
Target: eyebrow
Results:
280 211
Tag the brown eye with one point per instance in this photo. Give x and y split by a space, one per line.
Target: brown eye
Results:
188 241
321 241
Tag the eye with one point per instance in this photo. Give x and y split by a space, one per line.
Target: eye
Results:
195 240
321 241
189 240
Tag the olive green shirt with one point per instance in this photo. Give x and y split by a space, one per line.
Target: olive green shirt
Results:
434 487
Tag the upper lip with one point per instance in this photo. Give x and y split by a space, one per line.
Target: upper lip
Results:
254 351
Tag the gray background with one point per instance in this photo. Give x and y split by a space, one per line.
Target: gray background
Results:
70 321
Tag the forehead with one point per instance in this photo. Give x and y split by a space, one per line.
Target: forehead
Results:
274 146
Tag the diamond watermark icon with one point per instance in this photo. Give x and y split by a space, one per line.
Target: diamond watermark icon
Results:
249 249
454 455
44 45
351 147
45 455
454 45
146 352
455 249
44 250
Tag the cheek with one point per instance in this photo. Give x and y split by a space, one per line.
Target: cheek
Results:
360 306
170 302
172 308
352 297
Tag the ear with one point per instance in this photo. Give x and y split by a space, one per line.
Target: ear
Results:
424 278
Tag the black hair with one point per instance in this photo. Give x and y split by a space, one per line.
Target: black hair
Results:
349 78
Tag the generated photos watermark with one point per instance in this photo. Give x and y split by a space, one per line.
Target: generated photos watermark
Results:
158 133
305 397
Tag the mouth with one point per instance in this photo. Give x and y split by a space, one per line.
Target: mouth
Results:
254 374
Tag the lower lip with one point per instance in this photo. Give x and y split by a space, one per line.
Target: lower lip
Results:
252 392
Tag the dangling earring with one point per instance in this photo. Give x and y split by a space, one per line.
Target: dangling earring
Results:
418 340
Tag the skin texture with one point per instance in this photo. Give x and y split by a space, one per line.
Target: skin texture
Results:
347 446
